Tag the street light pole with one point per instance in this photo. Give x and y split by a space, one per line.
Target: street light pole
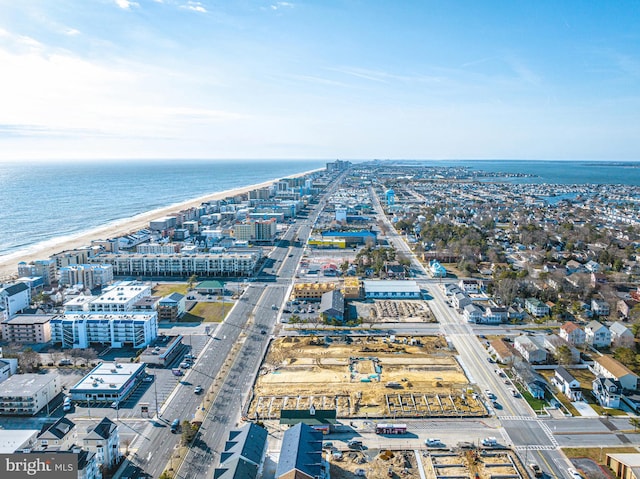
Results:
155 391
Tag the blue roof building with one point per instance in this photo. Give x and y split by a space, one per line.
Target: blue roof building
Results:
243 453
301 454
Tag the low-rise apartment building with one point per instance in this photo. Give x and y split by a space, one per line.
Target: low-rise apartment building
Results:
27 394
229 264
80 330
611 368
27 328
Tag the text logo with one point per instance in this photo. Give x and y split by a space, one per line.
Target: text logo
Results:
62 465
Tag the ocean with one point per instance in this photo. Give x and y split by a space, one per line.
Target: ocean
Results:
40 201
43 201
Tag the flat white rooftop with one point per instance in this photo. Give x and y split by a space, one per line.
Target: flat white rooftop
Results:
25 385
110 377
395 285
122 292
12 439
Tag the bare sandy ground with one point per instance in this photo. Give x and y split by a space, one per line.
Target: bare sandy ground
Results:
9 263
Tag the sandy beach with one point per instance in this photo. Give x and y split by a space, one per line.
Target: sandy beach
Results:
9 263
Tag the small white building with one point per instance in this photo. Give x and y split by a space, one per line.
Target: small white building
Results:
621 336
567 384
469 286
597 335
607 391
572 333
473 313
391 289
536 308
108 382
530 351
495 314
460 300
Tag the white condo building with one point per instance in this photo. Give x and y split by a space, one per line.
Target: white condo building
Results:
120 297
201 264
117 329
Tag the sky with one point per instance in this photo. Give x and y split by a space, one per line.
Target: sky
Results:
322 79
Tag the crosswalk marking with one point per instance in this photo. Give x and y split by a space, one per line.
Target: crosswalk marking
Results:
535 447
516 418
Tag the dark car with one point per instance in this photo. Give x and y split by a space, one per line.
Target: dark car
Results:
175 425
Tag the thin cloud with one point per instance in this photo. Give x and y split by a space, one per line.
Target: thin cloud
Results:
126 4
194 7
280 5
72 32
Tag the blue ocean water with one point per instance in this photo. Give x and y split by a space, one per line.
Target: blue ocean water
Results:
40 201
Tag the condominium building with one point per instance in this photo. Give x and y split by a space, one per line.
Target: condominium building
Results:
203 264
120 297
14 298
117 329
88 275
45 268
27 328
27 394
155 248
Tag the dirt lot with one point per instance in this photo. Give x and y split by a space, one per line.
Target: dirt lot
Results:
378 464
413 377
468 463
394 310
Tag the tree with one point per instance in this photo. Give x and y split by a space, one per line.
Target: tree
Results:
563 355
29 360
635 422
193 279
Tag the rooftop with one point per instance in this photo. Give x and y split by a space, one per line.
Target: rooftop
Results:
109 376
25 384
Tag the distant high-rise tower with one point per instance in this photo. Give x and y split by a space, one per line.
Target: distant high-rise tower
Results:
391 197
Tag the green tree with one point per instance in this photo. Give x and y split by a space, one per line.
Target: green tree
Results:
193 279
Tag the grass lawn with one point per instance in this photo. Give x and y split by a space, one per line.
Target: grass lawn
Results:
536 404
207 312
164 289
595 453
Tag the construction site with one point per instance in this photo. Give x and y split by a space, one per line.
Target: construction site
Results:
364 377
458 464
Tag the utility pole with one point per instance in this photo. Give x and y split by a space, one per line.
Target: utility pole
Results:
155 391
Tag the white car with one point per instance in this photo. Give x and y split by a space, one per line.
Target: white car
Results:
433 442
574 474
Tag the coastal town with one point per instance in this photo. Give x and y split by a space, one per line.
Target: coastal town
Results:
374 319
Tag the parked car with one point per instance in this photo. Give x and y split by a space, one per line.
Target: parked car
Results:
354 444
574 474
489 442
175 425
65 362
433 442
149 378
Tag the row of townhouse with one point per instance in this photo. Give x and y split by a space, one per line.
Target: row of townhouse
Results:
598 335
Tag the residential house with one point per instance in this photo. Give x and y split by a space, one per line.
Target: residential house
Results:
451 289
621 336
473 313
574 267
536 308
103 439
567 384
534 382
244 453
611 368
332 305
503 351
592 266
495 314
624 307
60 435
529 350
573 334
460 300
600 307
597 335
607 391
469 286
553 342
301 454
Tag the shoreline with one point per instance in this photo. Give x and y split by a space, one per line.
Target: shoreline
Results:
122 226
